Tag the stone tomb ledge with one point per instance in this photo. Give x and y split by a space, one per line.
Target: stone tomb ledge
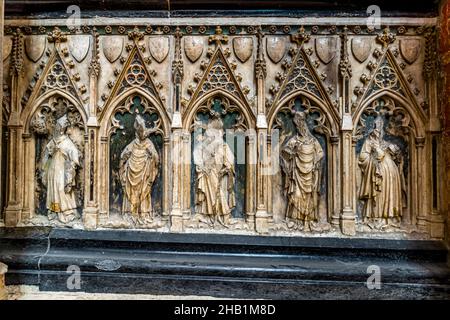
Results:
224 265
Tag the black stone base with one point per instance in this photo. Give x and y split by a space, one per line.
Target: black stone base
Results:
225 265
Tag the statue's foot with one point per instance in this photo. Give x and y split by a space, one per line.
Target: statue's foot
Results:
370 224
145 219
307 226
130 218
226 220
291 224
52 216
394 224
319 227
380 224
67 216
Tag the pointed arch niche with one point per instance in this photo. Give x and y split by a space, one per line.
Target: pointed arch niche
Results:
403 128
323 125
238 121
52 95
116 132
40 118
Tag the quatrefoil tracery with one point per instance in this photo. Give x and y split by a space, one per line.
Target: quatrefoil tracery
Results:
136 75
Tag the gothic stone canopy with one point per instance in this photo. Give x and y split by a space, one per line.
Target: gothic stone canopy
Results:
284 126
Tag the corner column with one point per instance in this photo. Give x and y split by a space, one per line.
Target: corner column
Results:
13 209
262 217
348 213
178 154
91 191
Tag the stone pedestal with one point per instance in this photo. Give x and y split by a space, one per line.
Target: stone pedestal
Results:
348 223
176 221
90 218
3 270
262 222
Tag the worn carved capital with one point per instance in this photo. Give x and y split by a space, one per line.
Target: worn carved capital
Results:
57 36
300 37
386 38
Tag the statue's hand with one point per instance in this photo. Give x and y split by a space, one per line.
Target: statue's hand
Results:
317 165
68 189
394 149
51 150
150 154
224 172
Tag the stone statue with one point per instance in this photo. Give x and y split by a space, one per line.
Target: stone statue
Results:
214 163
381 185
139 164
59 163
301 163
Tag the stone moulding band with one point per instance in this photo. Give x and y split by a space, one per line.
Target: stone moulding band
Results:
222 21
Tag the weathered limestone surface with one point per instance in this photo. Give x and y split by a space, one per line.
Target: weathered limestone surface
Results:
320 137
365 159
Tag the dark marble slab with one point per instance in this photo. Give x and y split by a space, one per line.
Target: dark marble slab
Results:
225 265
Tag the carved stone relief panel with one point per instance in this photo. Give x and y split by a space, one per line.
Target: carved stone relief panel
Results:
137 88
300 186
218 169
135 187
385 158
58 131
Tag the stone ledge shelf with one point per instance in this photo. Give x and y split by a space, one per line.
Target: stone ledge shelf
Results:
228 266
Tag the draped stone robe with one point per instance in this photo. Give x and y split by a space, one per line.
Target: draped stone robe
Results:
300 160
138 171
215 179
60 160
381 185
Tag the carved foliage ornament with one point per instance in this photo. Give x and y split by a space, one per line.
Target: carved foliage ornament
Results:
43 122
386 38
226 107
319 119
400 121
126 107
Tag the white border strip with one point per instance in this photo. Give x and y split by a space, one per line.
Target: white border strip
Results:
224 21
